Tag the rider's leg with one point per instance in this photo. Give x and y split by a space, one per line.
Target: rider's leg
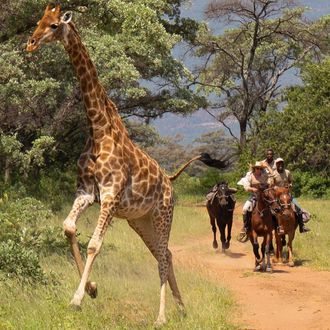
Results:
247 208
299 217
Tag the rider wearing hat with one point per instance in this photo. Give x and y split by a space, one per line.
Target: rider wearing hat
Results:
251 182
283 178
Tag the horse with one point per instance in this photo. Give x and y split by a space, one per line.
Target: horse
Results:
262 225
287 220
220 208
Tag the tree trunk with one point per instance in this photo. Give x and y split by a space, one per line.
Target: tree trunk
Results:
242 138
7 170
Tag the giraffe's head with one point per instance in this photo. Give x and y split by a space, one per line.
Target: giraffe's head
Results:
52 26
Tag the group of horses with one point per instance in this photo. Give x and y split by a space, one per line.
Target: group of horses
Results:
271 203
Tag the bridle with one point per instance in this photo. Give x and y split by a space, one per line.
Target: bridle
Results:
270 202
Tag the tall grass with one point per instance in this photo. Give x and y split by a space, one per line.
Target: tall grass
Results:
128 284
313 248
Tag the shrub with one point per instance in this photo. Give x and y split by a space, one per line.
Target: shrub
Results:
20 262
25 234
312 185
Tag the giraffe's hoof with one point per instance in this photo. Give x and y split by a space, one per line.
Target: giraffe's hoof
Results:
91 289
159 323
75 307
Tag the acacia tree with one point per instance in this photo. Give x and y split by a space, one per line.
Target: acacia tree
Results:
243 66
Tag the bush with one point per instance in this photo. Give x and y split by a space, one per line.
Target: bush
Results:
311 185
25 234
20 262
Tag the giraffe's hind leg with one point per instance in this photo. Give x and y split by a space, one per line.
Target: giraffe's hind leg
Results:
155 233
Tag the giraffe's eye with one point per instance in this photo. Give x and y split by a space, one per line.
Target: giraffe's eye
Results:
54 26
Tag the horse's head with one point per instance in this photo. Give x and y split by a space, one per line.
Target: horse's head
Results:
285 201
269 197
223 193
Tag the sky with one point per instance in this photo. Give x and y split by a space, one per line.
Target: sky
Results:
200 122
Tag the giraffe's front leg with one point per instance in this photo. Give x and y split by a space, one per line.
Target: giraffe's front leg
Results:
108 207
80 204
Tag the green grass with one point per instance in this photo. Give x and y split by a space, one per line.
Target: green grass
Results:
128 284
128 281
313 249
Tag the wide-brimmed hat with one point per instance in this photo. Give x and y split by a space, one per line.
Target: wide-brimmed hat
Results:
278 160
258 164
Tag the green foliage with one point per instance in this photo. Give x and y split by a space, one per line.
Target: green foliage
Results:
25 234
17 161
312 185
20 262
243 65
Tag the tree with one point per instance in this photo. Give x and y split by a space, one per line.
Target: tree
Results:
129 41
300 133
243 66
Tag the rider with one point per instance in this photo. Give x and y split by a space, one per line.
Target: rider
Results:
269 160
251 182
283 178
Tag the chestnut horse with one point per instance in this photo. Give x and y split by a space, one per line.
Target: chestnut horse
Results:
220 209
287 220
262 225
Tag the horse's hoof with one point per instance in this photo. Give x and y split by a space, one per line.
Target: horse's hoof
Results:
215 245
269 269
223 250
257 268
291 264
91 289
227 245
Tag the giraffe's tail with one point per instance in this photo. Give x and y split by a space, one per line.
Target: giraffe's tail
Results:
206 159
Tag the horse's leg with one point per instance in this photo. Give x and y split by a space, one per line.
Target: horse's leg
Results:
255 245
290 256
214 229
269 239
229 225
263 250
222 228
278 254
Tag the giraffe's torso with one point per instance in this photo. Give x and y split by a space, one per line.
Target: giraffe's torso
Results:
118 165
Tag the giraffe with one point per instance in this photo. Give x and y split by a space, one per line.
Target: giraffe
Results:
112 170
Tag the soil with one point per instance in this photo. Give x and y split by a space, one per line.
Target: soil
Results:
289 298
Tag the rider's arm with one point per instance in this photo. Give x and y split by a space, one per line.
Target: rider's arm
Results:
290 179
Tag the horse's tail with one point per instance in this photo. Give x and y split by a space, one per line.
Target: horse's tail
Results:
206 159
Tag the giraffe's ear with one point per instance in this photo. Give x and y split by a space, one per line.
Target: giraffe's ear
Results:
66 18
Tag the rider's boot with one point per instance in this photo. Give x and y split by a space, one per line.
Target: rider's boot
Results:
246 225
302 227
279 228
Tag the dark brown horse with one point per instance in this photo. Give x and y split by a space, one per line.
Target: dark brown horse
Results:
262 225
287 220
221 208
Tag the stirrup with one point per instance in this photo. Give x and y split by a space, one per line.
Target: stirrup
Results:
304 230
242 237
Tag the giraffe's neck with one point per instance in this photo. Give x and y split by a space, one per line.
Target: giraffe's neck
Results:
100 110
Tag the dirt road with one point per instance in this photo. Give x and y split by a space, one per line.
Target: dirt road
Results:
289 298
